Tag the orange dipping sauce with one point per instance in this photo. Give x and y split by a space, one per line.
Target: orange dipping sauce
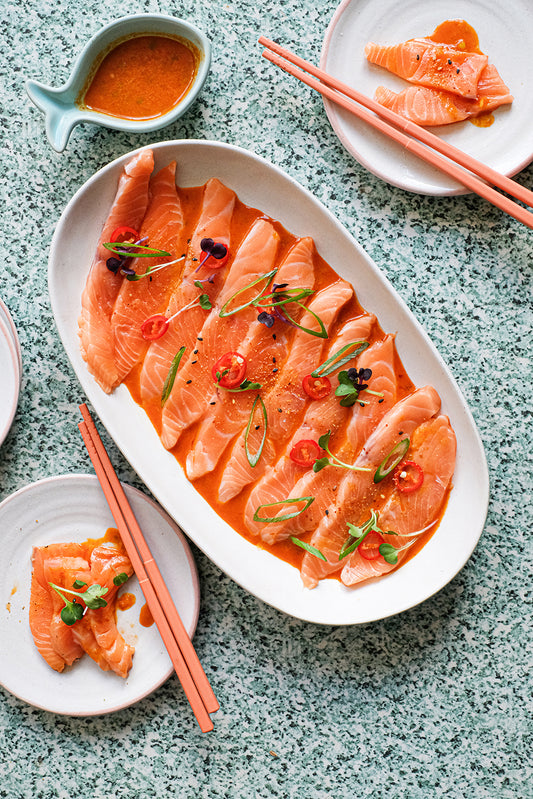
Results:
142 77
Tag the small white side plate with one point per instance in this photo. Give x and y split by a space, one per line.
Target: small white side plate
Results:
73 508
505 33
10 375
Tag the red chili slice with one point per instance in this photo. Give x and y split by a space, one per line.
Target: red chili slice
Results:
408 477
154 327
124 233
369 546
305 452
316 387
229 370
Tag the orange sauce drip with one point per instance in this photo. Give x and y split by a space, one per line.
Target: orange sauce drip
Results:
142 77
483 120
456 33
126 601
233 511
145 617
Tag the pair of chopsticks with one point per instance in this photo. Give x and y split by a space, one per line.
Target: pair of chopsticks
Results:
177 642
414 138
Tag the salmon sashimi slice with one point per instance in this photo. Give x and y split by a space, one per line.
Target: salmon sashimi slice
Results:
265 356
42 612
282 481
194 383
433 448
428 63
323 485
68 564
357 494
214 222
286 399
102 286
139 299
430 107
107 562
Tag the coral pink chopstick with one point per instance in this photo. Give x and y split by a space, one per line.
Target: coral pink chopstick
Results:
177 642
414 138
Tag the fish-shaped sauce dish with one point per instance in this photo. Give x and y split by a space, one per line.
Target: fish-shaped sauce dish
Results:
267 383
107 86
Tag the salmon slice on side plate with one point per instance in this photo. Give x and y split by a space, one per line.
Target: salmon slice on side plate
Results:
431 107
362 420
358 493
194 384
214 222
320 416
265 356
102 286
107 562
428 63
137 300
286 400
410 514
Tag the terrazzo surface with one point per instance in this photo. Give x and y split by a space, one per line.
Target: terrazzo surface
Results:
435 702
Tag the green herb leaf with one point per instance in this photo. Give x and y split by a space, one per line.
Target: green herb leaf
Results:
323 443
285 517
93 596
320 464
390 553
205 302
246 385
268 276
284 297
308 548
171 377
336 360
253 459
78 584
71 613
120 579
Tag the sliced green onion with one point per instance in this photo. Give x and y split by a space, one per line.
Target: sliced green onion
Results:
268 276
333 363
139 250
151 269
253 459
308 548
172 372
392 460
319 334
307 500
281 297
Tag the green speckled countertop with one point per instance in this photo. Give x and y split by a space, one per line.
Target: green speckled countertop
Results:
433 703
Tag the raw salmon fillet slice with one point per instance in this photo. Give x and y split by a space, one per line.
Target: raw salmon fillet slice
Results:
42 611
102 286
357 494
320 416
106 563
139 299
67 564
305 354
194 384
433 448
323 485
431 107
214 222
265 355
427 63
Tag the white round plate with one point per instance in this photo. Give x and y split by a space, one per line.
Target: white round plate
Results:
261 185
6 317
505 33
10 375
73 508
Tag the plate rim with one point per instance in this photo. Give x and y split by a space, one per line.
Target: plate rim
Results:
399 304
78 477
6 334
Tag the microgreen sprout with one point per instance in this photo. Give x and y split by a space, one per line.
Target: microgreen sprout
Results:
308 548
212 249
120 579
358 535
323 443
351 383
73 611
246 385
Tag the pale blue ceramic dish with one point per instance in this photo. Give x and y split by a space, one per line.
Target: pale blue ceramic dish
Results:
60 107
